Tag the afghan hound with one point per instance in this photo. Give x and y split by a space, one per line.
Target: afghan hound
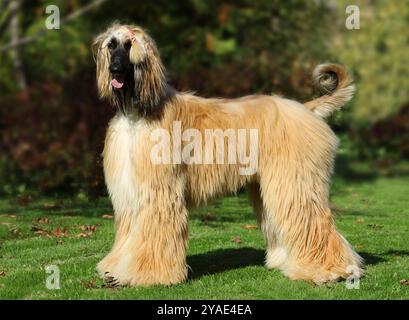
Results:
289 188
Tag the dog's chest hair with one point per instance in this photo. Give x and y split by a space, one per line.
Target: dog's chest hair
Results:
119 154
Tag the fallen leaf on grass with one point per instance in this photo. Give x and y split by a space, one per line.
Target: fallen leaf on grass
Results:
250 227
43 220
2 274
83 235
16 232
375 226
5 223
88 231
404 282
58 232
39 231
89 284
88 228
107 216
236 240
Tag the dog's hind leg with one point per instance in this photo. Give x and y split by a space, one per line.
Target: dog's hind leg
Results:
276 254
308 246
294 186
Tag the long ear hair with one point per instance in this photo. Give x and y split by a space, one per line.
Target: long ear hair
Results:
151 88
101 56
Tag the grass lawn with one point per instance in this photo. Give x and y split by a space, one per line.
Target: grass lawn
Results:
226 253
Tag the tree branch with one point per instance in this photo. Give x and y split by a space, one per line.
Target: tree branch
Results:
41 32
10 12
15 53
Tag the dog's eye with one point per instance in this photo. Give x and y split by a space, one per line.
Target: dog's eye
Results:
128 45
112 44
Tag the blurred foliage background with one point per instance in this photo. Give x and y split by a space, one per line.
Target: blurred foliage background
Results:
52 123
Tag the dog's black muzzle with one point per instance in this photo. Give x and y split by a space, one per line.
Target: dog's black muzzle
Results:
120 63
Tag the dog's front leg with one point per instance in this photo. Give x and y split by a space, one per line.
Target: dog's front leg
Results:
150 246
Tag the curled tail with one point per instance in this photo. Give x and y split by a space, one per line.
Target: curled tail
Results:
335 86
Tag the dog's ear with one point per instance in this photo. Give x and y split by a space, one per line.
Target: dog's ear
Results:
101 56
137 52
96 45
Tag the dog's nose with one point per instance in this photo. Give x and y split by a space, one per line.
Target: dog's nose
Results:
115 67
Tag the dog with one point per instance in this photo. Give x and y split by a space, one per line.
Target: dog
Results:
289 188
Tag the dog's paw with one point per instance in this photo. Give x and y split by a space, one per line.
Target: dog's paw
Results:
111 281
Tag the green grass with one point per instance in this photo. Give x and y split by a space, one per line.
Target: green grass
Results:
372 213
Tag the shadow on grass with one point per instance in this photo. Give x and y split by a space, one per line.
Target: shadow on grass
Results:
221 260
371 259
396 253
343 212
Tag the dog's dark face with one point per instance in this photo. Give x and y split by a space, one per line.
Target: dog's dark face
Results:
120 66
129 70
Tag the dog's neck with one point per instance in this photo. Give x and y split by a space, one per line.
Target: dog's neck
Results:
150 101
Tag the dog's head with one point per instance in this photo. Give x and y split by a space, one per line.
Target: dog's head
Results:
129 70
